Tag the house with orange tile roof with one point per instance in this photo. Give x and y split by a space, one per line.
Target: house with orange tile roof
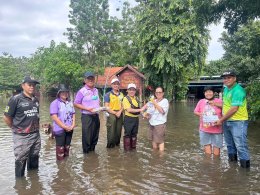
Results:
127 74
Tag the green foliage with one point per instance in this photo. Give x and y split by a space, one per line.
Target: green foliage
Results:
94 33
242 52
56 64
253 90
99 38
215 67
234 12
12 71
126 50
172 46
237 12
167 38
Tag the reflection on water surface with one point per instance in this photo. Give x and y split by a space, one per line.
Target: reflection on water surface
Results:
181 169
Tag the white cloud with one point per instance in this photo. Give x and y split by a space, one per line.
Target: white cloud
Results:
27 25
115 6
215 50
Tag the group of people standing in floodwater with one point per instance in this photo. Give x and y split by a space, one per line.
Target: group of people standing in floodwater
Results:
22 115
121 111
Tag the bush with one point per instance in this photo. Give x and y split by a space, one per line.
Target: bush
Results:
253 91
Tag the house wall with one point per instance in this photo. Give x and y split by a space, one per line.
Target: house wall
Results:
128 76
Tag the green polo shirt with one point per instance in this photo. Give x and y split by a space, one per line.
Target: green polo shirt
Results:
236 96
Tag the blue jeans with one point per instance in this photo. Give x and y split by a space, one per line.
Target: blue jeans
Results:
235 133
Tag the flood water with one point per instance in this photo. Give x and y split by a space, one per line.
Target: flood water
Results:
181 169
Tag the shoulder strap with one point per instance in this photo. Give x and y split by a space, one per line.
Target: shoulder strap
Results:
130 101
137 99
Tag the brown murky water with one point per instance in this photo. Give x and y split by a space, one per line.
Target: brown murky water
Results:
181 169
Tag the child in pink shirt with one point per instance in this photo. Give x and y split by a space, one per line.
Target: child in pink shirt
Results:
209 110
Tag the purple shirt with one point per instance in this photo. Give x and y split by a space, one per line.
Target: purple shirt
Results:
87 97
64 111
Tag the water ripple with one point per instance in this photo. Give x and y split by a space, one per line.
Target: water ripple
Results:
180 169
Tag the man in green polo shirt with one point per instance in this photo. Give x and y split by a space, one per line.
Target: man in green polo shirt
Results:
235 119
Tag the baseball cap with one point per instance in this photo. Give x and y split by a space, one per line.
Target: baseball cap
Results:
115 80
131 85
229 73
89 74
28 79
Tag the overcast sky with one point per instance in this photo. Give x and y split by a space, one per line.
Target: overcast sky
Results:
29 24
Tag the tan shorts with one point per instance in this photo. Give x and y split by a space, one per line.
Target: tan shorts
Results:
157 133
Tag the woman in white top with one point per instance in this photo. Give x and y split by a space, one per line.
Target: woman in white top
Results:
157 110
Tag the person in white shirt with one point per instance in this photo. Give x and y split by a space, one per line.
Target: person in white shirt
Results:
157 110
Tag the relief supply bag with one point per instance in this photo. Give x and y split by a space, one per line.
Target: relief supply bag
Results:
209 116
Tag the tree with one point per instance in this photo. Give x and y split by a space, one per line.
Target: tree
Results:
253 90
173 47
126 50
242 52
215 67
235 12
94 33
62 68
238 12
56 64
12 71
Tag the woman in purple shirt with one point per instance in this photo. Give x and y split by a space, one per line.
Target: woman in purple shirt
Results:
63 115
88 101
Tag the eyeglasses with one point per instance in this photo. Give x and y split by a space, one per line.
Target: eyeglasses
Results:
158 92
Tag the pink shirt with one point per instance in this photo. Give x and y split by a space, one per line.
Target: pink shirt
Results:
200 108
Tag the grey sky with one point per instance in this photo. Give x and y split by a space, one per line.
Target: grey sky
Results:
27 25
